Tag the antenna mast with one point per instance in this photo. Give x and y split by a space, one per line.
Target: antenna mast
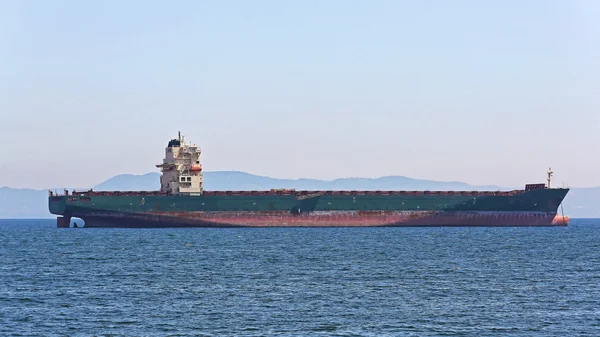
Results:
550 173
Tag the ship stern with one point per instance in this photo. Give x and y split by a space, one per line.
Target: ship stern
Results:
57 205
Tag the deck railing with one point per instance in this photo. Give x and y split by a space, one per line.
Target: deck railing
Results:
301 194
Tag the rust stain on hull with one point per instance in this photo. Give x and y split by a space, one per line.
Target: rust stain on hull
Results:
323 219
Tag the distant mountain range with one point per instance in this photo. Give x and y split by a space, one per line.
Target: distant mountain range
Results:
29 203
241 181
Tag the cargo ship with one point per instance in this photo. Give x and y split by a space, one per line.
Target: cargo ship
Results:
183 202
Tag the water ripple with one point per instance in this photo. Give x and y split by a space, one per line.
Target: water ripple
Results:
298 282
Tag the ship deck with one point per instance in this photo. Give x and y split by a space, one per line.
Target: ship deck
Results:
305 193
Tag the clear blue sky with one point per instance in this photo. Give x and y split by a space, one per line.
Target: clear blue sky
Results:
486 92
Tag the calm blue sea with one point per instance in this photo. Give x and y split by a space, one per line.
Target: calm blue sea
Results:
299 282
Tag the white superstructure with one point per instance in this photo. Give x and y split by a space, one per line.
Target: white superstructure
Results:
181 168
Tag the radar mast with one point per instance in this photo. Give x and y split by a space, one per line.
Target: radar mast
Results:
550 173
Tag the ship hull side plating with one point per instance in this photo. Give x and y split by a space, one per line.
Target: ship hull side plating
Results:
529 208
323 219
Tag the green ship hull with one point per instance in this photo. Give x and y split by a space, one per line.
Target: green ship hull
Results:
536 207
